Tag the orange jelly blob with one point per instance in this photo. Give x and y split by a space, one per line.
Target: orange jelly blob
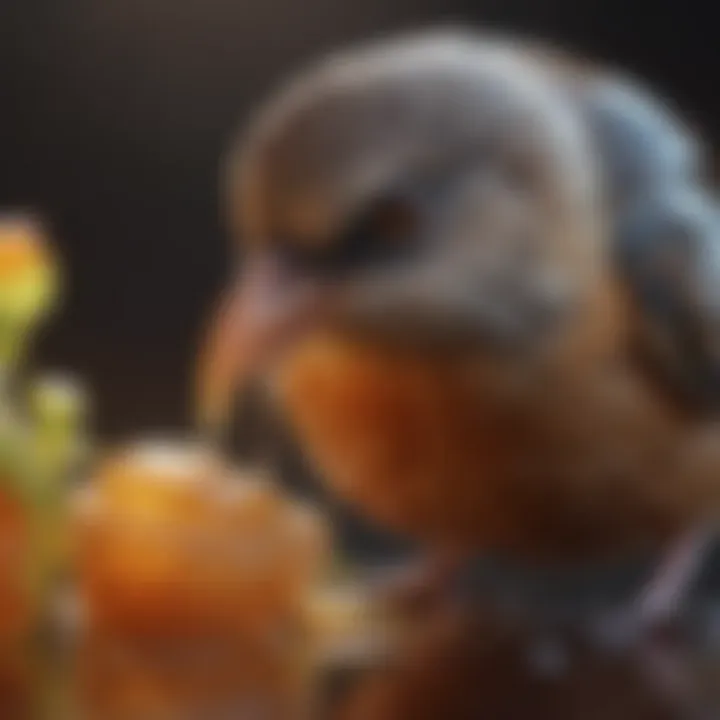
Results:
172 541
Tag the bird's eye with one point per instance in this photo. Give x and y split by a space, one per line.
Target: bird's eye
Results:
391 221
386 230
381 232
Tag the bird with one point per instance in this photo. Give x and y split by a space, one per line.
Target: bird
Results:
480 278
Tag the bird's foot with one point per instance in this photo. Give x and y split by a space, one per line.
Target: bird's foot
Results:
659 605
652 627
665 596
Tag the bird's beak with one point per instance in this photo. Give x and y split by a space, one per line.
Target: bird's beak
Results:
261 315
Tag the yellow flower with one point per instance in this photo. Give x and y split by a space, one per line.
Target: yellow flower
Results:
28 271
29 280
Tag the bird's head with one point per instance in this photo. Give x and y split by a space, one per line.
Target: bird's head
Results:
435 193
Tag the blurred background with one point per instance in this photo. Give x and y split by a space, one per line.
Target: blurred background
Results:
114 115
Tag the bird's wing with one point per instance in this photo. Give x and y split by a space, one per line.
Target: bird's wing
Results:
666 239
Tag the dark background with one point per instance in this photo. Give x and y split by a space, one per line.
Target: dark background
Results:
114 115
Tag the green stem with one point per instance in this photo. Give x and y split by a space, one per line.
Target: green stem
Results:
12 346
